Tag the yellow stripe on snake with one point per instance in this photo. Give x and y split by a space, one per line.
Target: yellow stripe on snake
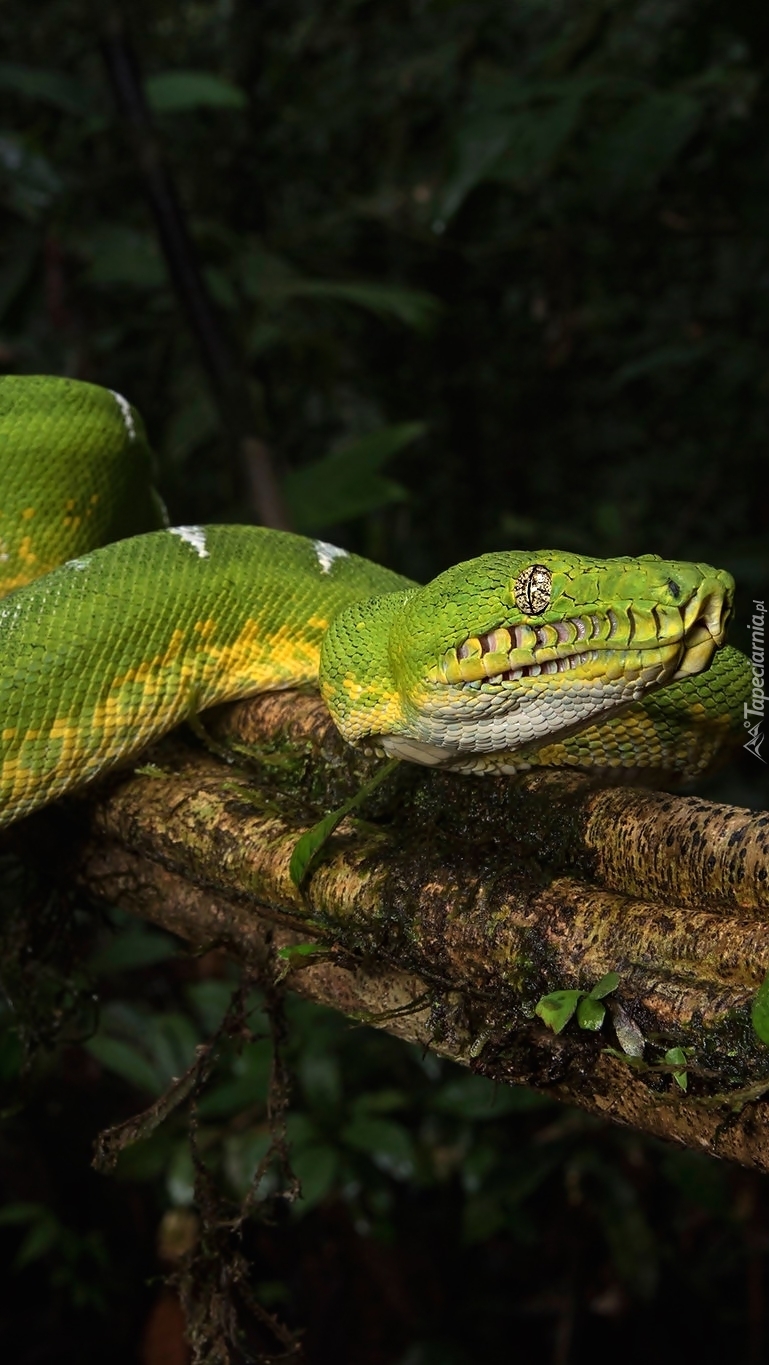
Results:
506 662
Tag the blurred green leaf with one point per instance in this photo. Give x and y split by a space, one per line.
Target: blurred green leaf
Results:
702 1181
631 1240
321 1079
513 134
242 1155
125 1060
387 1143
535 136
138 945
379 1101
42 1236
52 87
347 482
641 144
301 1129
20 1213
124 256
180 1176
176 91
243 1088
409 306
210 1000
664 358
316 1168
268 278
148 1050
475 1097
482 1216
28 182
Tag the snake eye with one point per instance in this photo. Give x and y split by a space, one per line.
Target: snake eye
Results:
532 590
674 589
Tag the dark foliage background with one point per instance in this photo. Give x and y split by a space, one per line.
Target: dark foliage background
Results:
495 275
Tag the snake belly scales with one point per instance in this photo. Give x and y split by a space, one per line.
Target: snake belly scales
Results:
513 660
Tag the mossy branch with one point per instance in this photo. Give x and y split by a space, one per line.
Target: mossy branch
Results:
460 902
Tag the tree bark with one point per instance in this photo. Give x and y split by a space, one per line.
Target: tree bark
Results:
459 902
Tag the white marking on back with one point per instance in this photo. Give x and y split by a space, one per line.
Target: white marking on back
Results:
78 563
327 554
194 536
126 414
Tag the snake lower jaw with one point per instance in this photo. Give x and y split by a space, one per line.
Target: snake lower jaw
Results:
696 659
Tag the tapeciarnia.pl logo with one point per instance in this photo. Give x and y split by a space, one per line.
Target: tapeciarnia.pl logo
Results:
755 707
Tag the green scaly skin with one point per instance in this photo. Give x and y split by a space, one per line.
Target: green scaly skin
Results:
75 472
111 650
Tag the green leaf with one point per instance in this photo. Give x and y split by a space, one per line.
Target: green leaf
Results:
347 483
42 1236
412 307
640 145
122 255
475 1097
176 91
514 134
52 87
245 1087
321 1080
31 182
126 1061
316 1167
605 986
590 1013
677 1055
388 1143
268 278
180 1176
242 1155
136 946
556 1009
759 1011
382 1101
171 1039
310 845
293 950
20 1213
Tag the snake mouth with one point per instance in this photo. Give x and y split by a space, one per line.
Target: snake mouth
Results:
706 619
620 639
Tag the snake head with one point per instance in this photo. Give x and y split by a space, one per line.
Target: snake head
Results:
511 648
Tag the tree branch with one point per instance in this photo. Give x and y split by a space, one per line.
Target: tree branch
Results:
462 904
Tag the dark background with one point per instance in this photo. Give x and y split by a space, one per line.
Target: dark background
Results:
494 275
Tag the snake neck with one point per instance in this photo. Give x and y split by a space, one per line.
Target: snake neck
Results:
357 675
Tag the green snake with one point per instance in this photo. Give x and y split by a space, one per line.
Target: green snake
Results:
510 661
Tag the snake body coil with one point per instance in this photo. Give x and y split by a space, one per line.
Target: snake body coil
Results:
509 661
